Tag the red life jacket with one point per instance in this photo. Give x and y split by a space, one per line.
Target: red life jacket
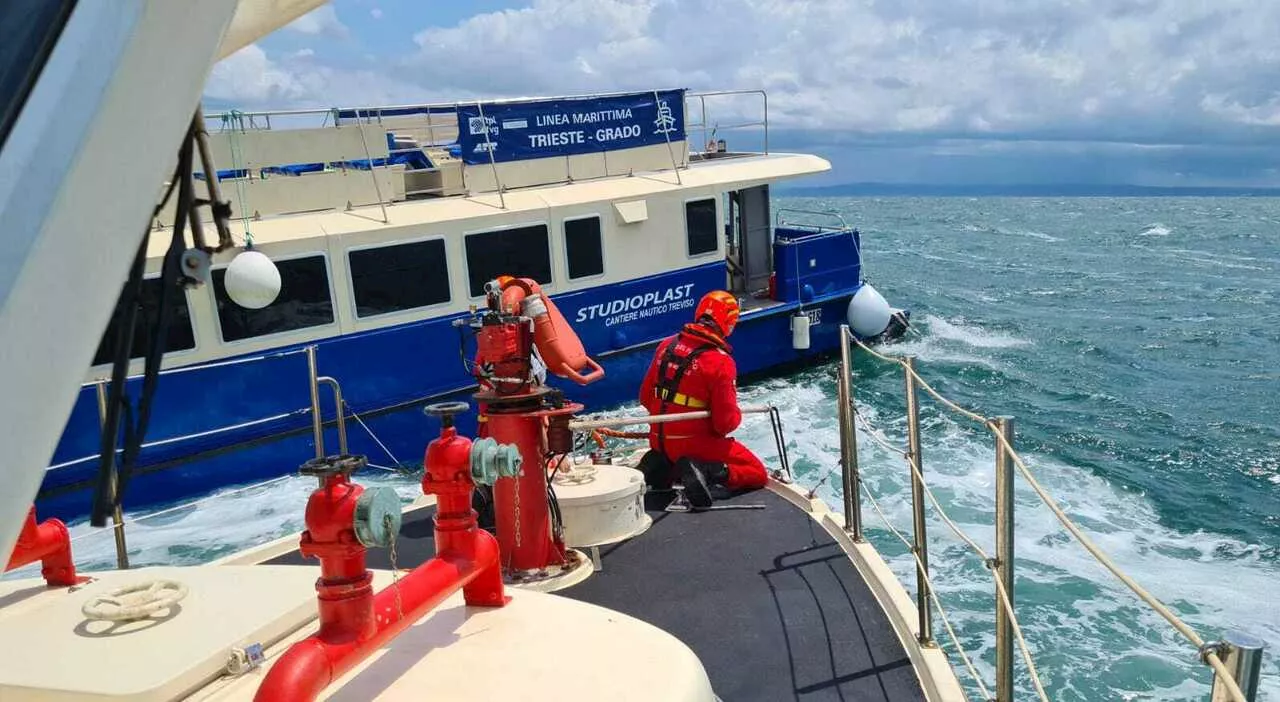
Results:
675 363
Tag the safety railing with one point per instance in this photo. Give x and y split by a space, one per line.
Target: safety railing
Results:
431 128
1235 660
608 426
314 381
704 121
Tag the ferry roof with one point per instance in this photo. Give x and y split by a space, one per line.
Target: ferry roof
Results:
729 171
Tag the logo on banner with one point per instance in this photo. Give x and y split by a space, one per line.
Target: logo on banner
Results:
666 121
477 125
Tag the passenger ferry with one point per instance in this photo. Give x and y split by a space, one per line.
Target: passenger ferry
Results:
385 223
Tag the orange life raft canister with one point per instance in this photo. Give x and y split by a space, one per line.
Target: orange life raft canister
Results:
560 347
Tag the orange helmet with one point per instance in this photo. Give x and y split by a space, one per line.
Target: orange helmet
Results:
721 308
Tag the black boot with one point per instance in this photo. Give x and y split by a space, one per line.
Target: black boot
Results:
717 473
696 488
657 470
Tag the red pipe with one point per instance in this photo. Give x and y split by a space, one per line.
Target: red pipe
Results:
353 622
49 542
310 665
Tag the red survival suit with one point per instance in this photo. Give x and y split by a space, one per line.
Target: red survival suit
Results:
693 371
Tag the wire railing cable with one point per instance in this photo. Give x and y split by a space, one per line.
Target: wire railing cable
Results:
933 593
1209 655
373 436
1002 595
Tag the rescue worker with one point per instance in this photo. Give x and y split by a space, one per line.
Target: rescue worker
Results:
691 371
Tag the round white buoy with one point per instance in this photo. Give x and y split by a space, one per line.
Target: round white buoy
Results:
868 312
252 280
800 331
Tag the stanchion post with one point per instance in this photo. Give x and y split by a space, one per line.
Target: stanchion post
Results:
1242 655
317 421
117 513
848 442
1004 560
921 545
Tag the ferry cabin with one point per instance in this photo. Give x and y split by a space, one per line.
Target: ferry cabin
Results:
386 223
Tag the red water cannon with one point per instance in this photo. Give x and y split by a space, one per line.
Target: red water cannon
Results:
50 543
343 519
520 329
530 319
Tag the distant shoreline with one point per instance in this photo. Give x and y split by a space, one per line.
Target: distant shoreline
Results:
894 189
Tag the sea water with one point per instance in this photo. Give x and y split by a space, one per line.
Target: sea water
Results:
1136 342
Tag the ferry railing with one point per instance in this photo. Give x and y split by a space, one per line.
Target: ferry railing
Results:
314 382
704 121
1236 659
780 219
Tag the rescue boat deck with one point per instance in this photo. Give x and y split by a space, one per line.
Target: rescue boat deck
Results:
769 602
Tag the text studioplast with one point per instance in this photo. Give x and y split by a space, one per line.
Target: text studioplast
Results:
649 304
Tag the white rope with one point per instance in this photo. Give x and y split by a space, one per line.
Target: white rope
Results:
872 432
937 603
1210 656
373 436
1182 627
1003 596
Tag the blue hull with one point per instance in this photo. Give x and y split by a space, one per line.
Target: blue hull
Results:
241 423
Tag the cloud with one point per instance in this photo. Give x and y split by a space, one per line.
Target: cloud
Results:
250 79
322 20
1086 70
919 88
249 76
376 13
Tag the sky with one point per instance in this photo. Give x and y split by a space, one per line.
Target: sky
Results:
1146 92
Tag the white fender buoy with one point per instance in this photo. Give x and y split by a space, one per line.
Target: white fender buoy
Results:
868 312
800 331
252 280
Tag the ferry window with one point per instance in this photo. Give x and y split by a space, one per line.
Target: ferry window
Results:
304 301
399 277
583 248
522 252
701 228
180 337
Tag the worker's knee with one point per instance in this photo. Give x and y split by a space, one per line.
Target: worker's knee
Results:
657 469
746 470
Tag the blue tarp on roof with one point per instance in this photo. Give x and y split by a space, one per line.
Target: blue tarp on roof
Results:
412 160
294 169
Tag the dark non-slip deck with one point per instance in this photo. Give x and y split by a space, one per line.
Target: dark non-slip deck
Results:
765 597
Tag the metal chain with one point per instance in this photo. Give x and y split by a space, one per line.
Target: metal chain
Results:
389 524
517 510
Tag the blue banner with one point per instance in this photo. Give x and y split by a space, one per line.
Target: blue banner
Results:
542 128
